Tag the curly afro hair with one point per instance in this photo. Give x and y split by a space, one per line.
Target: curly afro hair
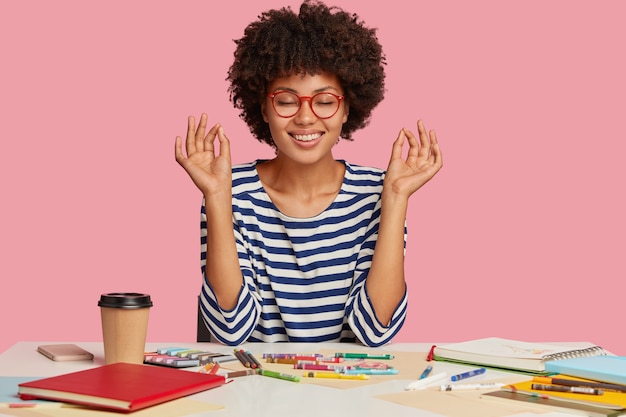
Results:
318 39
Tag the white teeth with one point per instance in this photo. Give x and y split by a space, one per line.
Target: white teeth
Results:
307 138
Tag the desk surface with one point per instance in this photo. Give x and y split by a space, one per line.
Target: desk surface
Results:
258 396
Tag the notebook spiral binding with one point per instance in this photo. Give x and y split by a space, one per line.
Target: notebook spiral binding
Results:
577 353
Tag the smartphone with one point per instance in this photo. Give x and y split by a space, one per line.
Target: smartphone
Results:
64 352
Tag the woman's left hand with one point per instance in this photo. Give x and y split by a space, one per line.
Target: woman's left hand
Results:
423 161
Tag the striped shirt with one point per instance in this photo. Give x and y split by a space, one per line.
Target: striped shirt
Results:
304 278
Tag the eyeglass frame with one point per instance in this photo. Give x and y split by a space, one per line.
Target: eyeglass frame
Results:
339 98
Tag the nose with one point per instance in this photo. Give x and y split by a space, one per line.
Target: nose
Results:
305 112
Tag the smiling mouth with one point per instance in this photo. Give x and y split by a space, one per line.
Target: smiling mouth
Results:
307 138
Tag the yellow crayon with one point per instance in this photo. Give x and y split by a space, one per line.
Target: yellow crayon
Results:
334 375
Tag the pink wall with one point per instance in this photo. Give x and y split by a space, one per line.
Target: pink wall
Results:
521 235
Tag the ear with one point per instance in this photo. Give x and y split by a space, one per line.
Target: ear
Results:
346 111
264 111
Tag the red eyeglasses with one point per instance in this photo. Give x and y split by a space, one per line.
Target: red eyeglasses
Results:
323 105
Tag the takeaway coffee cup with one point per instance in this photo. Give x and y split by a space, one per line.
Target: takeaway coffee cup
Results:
124 326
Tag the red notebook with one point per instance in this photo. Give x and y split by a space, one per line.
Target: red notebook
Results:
120 386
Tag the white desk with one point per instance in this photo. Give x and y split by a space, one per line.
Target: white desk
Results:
256 395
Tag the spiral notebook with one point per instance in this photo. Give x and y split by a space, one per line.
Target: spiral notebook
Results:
512 355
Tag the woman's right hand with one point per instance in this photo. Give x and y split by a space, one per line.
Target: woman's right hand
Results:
210 171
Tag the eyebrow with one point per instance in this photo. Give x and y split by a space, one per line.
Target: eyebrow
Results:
319 90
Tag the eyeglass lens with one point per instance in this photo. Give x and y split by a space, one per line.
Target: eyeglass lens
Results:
324 105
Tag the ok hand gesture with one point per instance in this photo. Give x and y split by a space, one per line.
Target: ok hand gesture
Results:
210 171
423 161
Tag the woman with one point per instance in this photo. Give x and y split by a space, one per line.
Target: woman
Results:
304 247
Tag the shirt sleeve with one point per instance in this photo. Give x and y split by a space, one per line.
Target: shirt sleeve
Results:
230 327
359 309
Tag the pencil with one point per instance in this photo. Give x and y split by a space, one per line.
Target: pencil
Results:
563 388
255 362
245 372
574 383
244 361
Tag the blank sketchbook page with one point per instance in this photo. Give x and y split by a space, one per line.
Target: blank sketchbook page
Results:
513 354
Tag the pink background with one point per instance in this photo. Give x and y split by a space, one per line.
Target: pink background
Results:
521 234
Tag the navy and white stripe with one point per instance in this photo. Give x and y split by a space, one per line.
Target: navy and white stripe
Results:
304 278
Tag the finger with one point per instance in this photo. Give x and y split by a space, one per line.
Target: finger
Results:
224 143
209 139
436 151
396 149
433 137
414 147
199 135
426 150
178 149
424 140
190 140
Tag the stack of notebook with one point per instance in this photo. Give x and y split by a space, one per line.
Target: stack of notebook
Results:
120 386
590 386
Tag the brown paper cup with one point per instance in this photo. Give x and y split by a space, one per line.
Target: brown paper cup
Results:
124 326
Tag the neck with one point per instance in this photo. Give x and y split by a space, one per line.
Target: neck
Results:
286 176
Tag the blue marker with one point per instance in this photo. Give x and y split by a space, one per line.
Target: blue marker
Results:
426 372
468 374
